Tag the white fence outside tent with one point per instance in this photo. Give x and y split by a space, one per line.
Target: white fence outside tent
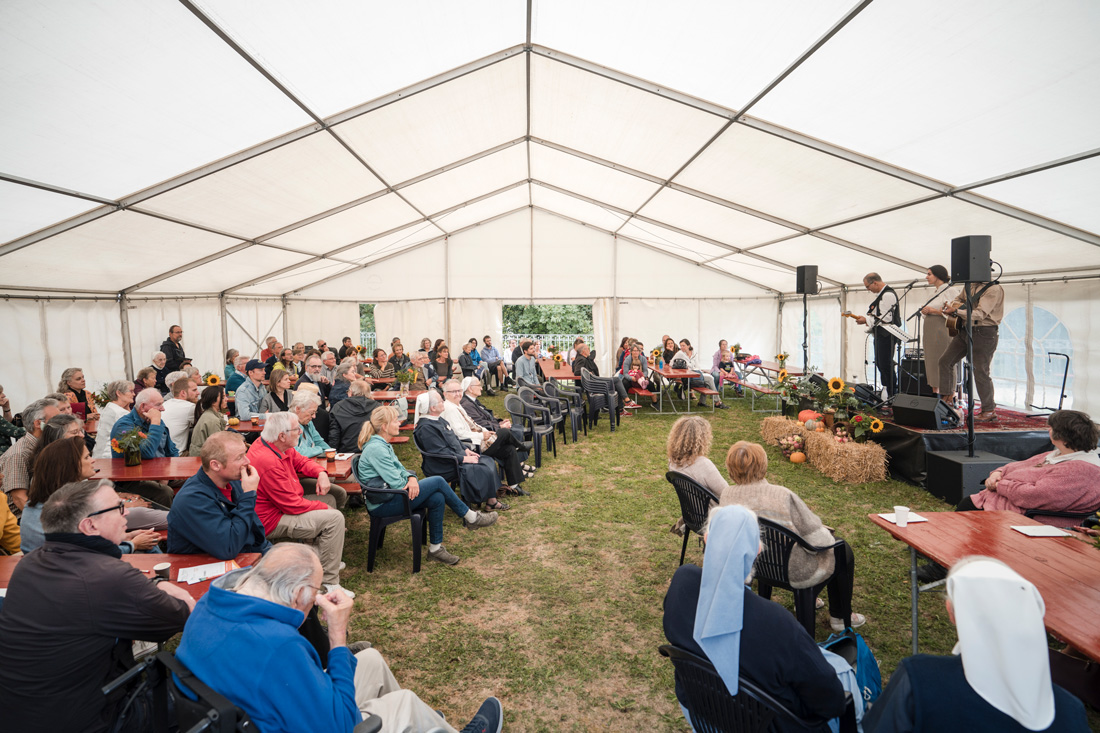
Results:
369 340
563 341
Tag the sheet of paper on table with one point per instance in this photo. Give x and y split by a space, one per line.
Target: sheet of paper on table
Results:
913 518
199 573
344 456
1040 530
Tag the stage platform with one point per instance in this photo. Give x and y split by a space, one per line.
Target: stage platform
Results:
1015 435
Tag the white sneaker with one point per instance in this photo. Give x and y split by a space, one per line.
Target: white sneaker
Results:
331 588
837 624
343 564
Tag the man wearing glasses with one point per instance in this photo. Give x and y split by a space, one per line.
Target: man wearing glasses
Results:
72 611
282 505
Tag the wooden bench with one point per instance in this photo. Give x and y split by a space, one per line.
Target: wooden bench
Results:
755 390
707 392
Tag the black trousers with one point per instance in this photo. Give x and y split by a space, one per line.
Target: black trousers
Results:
505 450
840 585
885 344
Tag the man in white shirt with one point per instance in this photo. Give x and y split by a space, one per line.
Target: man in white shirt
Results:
500 445
179 412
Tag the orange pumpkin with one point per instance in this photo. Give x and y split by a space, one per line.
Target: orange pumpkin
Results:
808 415
798 457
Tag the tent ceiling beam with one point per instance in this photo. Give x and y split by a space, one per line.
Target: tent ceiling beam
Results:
594 159
1028 217
55 189
189 266
869 252
640 243
527 72
413 248
1032 169
51 231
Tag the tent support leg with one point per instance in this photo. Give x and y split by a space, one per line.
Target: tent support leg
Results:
127 350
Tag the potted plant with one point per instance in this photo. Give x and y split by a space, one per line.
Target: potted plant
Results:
129 445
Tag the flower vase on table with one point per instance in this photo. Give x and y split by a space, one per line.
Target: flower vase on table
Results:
133 457
129 445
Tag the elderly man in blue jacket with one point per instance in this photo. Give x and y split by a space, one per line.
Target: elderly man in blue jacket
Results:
147 415
242 641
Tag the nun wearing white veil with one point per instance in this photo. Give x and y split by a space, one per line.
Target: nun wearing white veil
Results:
710 612
998 678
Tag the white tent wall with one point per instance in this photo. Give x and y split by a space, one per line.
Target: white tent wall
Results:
249 321
309 320
51 335
410 320
474 318
491 259
1076 304
823 330
570 260
199 319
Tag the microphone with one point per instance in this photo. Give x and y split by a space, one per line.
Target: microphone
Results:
911 284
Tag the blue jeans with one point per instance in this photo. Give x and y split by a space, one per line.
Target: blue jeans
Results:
434 492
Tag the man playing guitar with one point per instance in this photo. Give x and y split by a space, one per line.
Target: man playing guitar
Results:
985 316
883 309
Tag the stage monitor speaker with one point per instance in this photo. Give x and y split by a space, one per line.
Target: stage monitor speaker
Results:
818 381
927 413
866 394
970 259
953 475
913 378
806 280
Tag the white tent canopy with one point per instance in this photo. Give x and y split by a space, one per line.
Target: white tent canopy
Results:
246 168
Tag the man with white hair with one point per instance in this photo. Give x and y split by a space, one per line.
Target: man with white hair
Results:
313 374
476 473
281 504
328 367
15 464
242 641
72 611
179 412
501 446
159 363
147 416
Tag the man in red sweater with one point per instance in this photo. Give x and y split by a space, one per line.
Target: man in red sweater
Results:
281 504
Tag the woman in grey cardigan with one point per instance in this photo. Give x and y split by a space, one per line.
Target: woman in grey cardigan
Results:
279 394
747 464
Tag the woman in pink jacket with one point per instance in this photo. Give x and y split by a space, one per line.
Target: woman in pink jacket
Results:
1067 479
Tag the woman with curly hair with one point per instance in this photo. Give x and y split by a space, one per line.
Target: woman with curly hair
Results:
689 441
72 386
747 464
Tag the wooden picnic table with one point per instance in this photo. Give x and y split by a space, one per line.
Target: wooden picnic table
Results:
179 469
145 562
1065 570
564 374
669 374
390 395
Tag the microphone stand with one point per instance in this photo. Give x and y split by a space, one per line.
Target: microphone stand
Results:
900 347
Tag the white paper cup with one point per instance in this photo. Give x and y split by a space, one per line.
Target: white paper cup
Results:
901 516
162 569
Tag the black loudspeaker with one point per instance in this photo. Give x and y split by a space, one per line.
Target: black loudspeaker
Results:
866 394
970 259
913 378
927 413
806 280
954 475
818 381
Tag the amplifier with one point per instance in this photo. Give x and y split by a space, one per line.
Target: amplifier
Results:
914 353
914 379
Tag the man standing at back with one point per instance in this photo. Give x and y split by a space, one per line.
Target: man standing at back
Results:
173 350
72 611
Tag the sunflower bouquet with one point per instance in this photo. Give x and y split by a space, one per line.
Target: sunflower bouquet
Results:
362 350
781 357
557 360
210 379
861 423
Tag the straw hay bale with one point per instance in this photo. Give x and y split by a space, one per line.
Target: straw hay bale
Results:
847 463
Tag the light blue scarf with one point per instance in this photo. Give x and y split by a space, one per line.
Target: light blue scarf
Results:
732 543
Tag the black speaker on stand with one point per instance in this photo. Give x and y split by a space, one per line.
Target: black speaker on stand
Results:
970 261
805 285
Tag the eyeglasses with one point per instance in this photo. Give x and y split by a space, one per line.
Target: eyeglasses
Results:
121 508
452 391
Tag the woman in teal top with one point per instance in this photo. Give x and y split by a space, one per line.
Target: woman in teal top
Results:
379 468
310 442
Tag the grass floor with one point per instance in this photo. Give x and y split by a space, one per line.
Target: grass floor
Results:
557 608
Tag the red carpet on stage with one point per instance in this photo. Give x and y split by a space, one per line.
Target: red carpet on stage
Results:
1006 420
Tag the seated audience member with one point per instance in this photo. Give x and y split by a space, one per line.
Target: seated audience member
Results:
466 363
328 368
281 504
380 367
215 511
399 359
586 360
269 362
251 391
442 365
718 356
485 419
121 396
689 442
58 427
346 348
159 365
72 386
15 464
477 473
998 679
492 359
527 364
573 351
379 468
724 371
322 420
62 400
72 612
425 375
269 348
712 613
426 345
8 430
687 353
304 407
502 446
230 364
433 353
481 370
747 464
146 416
622 351
313 375
347 417
239 374
145 379
322 346
179 412
346 374
670 349
285 362
279 392
636 373
66 461
1066 479
243 641
10 539
209 417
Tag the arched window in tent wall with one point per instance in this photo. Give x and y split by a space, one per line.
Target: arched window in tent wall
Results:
1010 373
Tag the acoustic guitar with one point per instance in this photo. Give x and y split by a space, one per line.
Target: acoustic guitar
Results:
954 325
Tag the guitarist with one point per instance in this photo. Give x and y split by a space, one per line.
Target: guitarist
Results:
883 309
986 317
